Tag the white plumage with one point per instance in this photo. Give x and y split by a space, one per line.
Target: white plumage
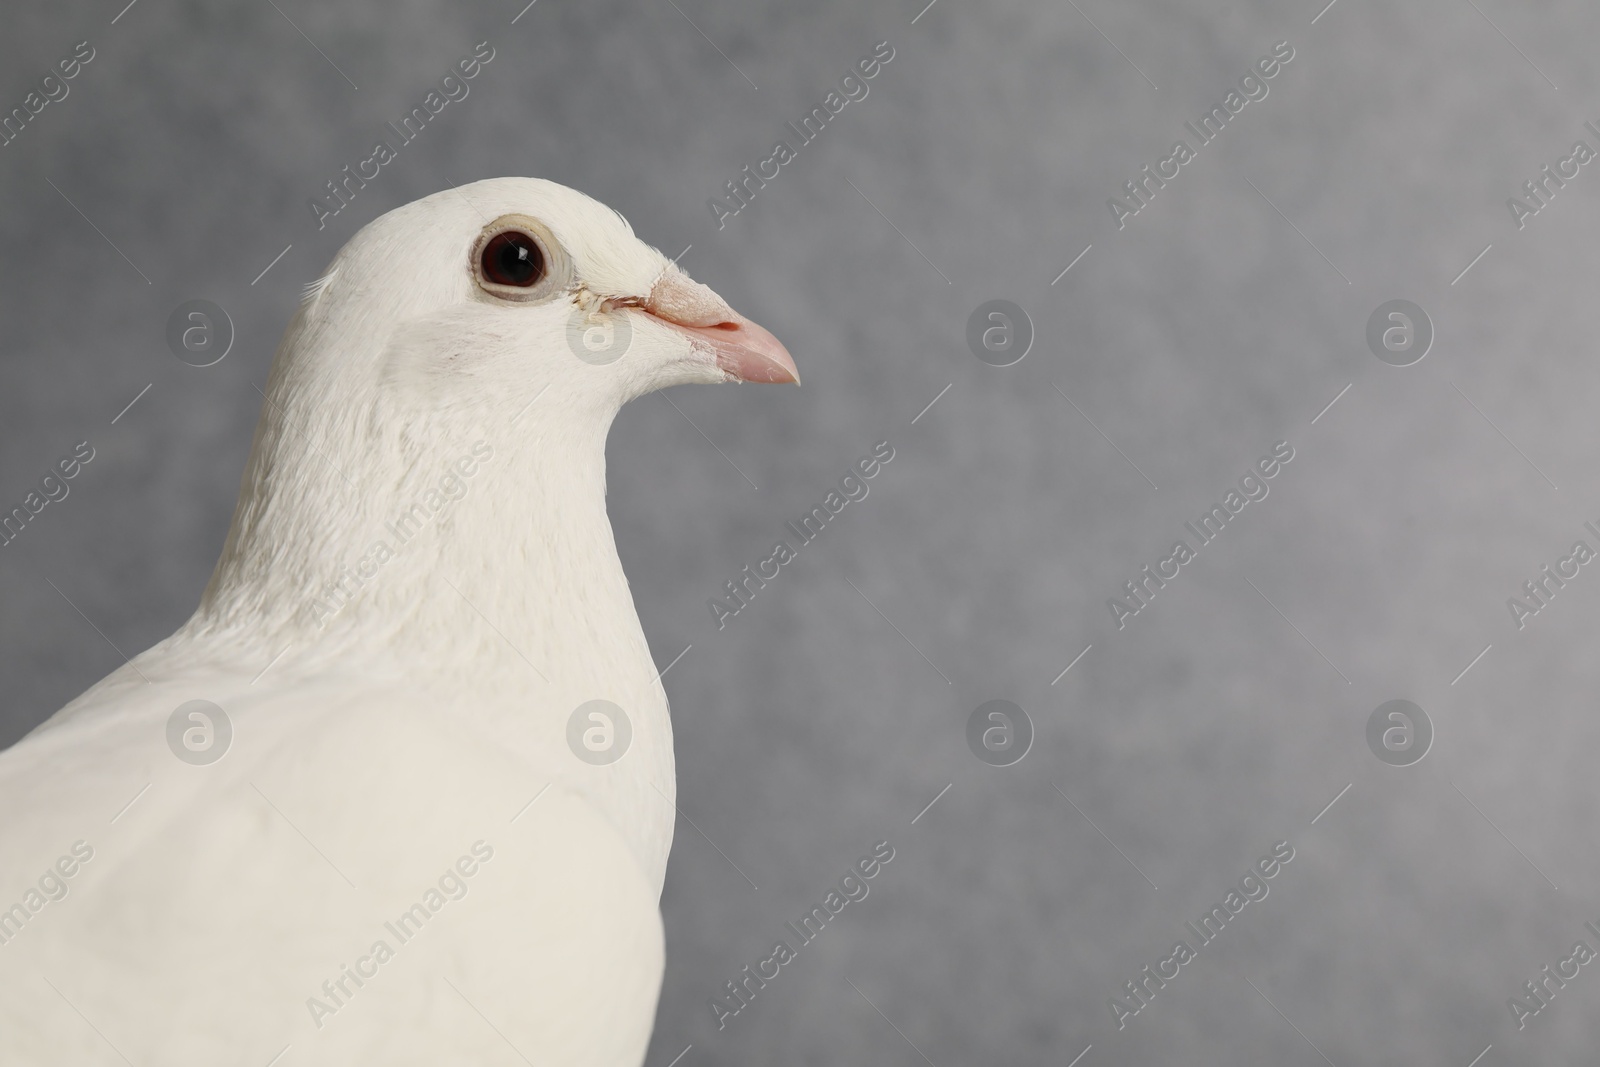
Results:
392 712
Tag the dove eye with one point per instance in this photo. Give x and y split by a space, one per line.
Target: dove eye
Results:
517 258
513 258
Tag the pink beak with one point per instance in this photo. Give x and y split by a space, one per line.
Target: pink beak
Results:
745 352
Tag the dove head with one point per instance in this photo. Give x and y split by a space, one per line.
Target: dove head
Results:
491 292
511 317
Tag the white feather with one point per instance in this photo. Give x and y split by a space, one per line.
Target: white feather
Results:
313 290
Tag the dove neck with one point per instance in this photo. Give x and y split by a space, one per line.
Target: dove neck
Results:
480 578
476 548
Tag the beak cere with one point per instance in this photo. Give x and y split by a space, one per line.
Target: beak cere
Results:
743 350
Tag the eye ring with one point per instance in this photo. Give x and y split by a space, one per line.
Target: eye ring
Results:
516 258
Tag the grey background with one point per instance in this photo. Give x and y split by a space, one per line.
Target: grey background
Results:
1208 729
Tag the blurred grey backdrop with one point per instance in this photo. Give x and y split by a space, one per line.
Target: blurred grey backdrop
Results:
1221 319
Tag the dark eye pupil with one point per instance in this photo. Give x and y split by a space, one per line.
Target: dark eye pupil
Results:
512 258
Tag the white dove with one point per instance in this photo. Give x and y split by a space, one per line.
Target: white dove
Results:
360 808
